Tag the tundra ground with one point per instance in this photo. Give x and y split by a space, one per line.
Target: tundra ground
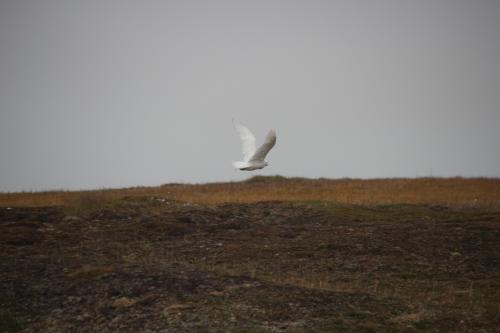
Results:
150 263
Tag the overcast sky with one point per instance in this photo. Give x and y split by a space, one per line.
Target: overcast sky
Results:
102 93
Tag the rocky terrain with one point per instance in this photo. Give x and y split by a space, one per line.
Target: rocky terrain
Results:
148 264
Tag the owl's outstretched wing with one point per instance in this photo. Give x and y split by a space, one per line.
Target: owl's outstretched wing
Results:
261 153
247 140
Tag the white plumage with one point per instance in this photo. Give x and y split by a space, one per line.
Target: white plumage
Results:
253 158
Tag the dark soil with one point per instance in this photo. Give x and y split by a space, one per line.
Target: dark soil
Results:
153 265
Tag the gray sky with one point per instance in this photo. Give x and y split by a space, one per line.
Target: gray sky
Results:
102 93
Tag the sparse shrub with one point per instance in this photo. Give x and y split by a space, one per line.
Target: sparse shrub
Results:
249 330
81 203
89 272
266 179
10 323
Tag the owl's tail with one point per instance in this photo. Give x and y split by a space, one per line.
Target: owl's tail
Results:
240 165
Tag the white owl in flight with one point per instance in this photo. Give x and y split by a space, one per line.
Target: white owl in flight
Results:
253 158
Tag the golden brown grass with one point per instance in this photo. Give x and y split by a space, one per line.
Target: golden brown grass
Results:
460 192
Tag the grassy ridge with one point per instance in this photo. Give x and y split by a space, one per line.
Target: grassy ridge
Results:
456 192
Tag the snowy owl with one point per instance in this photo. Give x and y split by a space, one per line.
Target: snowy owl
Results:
253 158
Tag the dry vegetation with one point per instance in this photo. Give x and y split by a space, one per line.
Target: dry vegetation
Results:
266 255
456 192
